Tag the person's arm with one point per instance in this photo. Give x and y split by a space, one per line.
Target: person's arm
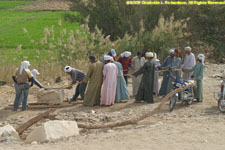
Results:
31 78
140 71
89 73
164 62
190 69
36 82
14 76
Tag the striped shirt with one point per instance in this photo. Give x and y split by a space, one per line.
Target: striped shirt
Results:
77 75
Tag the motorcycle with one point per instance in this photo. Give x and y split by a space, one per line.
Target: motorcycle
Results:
186 96
220 96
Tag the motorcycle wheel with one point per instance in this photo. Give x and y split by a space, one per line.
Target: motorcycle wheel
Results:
221 108
173 100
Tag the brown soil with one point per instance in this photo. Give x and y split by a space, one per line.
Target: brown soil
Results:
198 126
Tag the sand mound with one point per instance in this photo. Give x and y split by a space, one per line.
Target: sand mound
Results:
46 5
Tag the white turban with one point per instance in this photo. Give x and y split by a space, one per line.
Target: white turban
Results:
24 66
188 48
113 52
149 54
201 57
107 57
126 54
68 69
35 72
172 51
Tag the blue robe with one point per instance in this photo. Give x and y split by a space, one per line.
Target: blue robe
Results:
176 64
164 86
121 87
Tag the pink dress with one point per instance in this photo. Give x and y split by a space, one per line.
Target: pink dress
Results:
108 92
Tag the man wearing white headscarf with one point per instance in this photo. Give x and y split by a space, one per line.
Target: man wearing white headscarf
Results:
110 72
145 90
166 64
125 60
112 53
137 62
189 62
198 71
21 77
34 72
76 76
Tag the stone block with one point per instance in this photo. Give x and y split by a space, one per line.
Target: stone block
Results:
53 130
50 96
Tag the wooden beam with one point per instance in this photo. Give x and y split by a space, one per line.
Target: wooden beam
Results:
136 120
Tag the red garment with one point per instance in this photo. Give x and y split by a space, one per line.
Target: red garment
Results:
126 62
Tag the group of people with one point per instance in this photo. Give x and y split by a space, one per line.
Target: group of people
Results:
106 82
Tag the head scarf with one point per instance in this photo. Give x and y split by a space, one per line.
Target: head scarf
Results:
35 72
24 66
149 54
113 52
201 57
172 51
68 69
188 48
155 57
126 54
107 57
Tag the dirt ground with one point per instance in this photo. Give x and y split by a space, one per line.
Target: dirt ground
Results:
196 127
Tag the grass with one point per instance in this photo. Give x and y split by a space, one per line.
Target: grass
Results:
12 4
13 23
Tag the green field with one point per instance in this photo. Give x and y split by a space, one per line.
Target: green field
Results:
13 23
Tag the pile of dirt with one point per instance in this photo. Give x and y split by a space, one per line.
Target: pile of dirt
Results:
50 5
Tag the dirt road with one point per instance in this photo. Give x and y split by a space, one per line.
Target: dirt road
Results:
195 127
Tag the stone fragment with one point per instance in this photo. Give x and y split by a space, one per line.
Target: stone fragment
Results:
8 134
53 130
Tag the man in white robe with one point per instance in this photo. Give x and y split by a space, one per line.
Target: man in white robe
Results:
189 62
137 62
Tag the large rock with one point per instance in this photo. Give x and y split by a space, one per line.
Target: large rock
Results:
8 134
53 130
50 96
